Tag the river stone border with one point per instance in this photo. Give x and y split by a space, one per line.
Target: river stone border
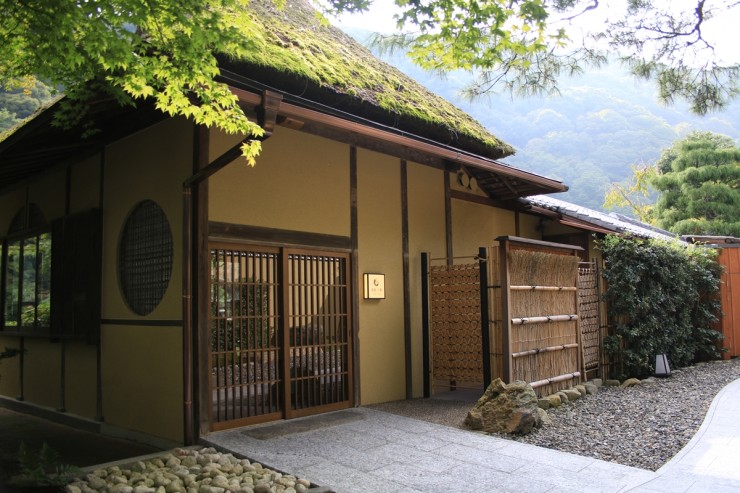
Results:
589 387
191 470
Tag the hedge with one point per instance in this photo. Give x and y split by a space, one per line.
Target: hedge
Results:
662 297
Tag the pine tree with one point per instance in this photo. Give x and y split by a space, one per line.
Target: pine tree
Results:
700 186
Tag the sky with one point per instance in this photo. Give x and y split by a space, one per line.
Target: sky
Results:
721 30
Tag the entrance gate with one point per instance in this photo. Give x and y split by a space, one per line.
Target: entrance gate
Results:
455 326
521 311
280 341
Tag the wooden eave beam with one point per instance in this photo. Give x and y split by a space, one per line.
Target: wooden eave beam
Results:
357 130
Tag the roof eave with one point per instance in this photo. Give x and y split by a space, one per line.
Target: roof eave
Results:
509 182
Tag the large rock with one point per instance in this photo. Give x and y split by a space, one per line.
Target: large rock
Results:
590 388
630 382
503 408
573 394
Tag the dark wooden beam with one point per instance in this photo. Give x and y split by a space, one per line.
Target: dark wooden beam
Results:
273 236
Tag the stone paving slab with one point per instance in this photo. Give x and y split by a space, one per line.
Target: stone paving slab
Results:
388 453
368 451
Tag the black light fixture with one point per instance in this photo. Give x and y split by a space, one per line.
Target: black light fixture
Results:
662 368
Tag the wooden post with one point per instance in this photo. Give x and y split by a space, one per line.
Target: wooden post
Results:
484 318
579 336
425 321
505 309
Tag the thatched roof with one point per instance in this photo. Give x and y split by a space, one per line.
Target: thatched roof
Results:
300 55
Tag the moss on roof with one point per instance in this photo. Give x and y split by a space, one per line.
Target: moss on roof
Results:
292 40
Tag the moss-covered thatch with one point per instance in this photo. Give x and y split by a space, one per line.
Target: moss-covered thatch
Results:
297 53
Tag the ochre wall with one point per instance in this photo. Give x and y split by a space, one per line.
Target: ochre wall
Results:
142 378
476 225
149 165
382 360
141 364
426 234
300 183
49 195
528 225
41 376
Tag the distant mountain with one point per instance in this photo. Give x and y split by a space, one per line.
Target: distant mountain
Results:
601 123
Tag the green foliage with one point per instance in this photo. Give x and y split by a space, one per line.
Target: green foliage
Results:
635 195
700 186
242 317
42 468
18 103
662 298
128 50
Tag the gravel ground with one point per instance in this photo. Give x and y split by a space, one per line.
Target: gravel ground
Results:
642 426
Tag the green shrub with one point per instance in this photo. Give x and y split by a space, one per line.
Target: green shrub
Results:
661 298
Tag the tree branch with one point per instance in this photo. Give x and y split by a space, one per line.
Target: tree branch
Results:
589 7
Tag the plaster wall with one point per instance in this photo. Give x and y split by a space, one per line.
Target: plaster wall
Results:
45 361
9 370
142 364
85 187
426 234
142 379
528 225
10 204
381 336
476 225
41 382
300 183
49 194
145 166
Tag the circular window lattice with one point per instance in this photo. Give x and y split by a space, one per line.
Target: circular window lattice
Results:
145 257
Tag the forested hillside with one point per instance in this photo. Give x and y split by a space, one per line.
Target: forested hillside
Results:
589 135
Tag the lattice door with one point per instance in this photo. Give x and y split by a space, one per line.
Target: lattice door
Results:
245 344
588 308
318 319
280 334
455 326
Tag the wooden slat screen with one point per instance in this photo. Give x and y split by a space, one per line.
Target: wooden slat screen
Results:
245 350
318 325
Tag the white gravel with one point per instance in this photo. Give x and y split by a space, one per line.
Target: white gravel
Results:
642 426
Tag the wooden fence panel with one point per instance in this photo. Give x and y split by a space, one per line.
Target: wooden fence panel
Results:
729 258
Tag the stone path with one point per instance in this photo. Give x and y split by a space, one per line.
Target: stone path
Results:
365 450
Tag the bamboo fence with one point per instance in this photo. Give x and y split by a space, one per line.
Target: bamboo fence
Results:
543 319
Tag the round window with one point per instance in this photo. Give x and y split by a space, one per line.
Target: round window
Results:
145 257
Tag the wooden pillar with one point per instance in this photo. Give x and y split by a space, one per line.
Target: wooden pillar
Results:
484 318
425 322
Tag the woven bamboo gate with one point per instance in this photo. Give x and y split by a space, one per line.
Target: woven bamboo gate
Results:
539 313
455 325
589 304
